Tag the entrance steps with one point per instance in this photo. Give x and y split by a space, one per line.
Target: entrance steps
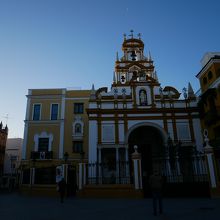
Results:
110 191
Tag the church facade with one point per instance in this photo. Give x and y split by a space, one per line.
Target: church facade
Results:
98 130
137 111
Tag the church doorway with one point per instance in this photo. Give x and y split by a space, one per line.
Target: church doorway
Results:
151 147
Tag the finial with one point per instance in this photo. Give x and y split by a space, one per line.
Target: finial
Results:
155 75
131 34
191 93
92 95
149 58
6 128
124 36
114 78
117 59
93 87
139 36
185 92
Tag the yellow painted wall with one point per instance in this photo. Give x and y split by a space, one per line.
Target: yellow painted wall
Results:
38 129
46 97
80 96
215 69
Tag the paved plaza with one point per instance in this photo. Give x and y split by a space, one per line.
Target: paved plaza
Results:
18 207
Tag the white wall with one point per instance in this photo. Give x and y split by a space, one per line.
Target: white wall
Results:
13 150
93 139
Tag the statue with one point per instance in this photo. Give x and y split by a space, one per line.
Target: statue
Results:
143 97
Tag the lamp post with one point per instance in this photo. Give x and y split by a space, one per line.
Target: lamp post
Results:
32 173
66 157
82 171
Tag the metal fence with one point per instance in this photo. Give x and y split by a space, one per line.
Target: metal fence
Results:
176 170
105 173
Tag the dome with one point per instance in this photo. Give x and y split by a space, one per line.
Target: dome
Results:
132 43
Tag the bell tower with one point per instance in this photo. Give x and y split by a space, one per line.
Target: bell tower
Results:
133 66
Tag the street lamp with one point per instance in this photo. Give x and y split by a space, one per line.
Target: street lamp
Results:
66 157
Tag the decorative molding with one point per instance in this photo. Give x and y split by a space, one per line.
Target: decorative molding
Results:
43 134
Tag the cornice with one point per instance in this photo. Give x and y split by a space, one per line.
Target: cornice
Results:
143 110
207 66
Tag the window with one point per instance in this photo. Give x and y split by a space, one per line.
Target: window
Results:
54 112
78 108
43 144
36 112
77 146
78 128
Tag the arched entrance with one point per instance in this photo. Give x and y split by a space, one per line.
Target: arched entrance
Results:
150 142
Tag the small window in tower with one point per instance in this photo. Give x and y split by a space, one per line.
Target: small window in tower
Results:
142 76
210 75
133 56
123 79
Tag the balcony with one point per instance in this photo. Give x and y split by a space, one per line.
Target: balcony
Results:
41 155
77 136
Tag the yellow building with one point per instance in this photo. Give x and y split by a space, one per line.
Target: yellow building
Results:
209 78
54 134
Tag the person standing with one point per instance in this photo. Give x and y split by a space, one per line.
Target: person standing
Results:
156 184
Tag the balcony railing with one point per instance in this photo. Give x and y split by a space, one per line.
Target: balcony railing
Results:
41 155
77 136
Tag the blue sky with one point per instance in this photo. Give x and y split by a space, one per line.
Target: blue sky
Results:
73 43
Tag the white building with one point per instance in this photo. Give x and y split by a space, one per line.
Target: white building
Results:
12 155
138 111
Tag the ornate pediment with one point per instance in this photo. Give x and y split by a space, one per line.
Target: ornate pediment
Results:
134 68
